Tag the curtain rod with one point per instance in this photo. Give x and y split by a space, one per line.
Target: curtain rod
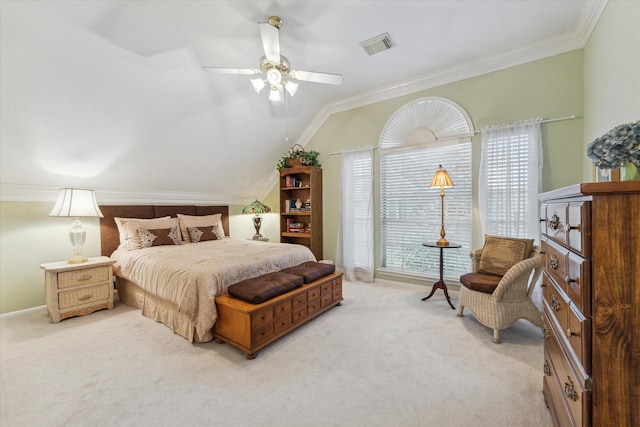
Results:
558 119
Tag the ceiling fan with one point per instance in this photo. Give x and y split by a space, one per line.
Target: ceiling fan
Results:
275 70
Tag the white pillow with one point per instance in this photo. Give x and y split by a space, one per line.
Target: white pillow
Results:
131 227
187 221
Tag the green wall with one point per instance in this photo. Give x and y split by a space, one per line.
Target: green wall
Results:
28 238
611 73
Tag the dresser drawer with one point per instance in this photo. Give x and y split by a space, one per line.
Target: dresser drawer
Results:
337 289
282 308
261 318
553 394
573 390
313 306
299 301
300 314
555 303
81 296
579 227
87 276
578 333
313 294
326 289
556 258
578 282
262 334
557 222
282 323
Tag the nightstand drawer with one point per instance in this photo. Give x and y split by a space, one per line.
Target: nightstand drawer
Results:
83 296
87 276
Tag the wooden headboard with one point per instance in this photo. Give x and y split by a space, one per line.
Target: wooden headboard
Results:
110 238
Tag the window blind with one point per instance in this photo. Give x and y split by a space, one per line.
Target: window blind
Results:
362 205
410 212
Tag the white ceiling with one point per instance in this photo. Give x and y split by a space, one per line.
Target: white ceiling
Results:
111 95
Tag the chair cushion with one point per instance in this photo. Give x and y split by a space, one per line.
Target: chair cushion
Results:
262 288
480 282
311 270
499 254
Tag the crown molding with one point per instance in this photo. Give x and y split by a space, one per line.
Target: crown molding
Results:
48 194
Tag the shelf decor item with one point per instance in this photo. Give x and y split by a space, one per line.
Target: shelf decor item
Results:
618 148
76 203
256 208
297 156
443 180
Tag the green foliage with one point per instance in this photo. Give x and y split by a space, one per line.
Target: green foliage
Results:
297 152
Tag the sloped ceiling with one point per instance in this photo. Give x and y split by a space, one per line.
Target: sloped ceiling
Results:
111 94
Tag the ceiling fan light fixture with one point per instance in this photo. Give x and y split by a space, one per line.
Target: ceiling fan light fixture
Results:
275 94
258 84
291 87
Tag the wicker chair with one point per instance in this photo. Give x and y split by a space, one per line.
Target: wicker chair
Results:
511 299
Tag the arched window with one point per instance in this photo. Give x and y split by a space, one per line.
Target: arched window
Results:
416 139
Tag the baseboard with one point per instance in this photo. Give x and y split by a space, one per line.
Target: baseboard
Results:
12 314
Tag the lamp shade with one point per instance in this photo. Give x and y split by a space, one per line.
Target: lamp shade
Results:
441 179
256 208
76 202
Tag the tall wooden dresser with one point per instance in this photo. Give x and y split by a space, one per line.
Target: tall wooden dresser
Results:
591 287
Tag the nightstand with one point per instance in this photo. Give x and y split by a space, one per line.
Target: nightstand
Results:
78 289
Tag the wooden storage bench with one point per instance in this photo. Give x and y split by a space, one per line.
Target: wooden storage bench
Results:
250 327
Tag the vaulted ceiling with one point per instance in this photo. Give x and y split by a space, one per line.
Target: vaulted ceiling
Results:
111 94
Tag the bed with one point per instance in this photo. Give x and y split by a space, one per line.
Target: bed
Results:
176 279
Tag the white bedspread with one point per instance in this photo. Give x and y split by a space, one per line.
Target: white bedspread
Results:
193 274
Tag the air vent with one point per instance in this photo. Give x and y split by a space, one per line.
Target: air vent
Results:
377 44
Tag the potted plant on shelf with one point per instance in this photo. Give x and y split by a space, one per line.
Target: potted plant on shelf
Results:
618 148
297 156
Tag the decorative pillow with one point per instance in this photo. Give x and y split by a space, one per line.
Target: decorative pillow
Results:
499 254
201 234
120 224
187 221
159 237
132 226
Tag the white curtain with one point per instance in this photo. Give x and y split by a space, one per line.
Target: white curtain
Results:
510 179
355 242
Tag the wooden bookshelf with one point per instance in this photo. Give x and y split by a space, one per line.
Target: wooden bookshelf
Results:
301 224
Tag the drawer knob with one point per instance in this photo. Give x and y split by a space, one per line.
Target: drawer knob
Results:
555 304
547 370
85 277
570 333
84 297
569 390
568 280
574 227
553 262
554 222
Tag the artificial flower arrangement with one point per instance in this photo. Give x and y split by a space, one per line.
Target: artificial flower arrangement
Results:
616 147
298 155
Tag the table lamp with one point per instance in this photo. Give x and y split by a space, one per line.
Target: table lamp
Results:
441 179
76 203
256 208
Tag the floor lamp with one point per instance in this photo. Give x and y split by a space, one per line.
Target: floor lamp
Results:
443 180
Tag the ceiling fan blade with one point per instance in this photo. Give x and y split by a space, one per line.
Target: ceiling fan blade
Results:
270 41
310 76
223 70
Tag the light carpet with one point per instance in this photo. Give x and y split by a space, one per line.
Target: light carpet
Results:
382 358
